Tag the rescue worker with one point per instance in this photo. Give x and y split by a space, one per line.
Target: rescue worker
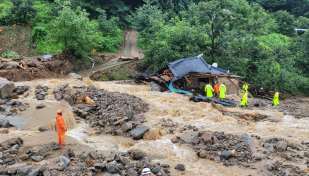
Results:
245 87
222 91
276 98
146 172
61 127
217 90
244 100
209 90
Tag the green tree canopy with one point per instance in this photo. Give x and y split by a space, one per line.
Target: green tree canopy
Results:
23 10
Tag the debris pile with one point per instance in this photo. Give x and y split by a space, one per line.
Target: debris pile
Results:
12 107
130 163
41 92
108 112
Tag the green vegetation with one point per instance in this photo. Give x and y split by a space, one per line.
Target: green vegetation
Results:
255 39
119 74
10 54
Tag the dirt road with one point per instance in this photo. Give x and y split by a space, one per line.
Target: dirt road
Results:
130 49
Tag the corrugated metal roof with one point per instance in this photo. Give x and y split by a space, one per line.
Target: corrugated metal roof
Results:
195 64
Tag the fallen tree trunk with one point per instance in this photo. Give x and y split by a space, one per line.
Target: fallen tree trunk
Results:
122 58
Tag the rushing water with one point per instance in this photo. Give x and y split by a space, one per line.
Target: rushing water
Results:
169 106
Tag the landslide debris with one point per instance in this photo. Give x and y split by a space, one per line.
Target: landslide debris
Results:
129 163
246 151
108 112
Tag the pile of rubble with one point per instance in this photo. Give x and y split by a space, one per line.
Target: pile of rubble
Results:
108 112
129 163
12 107
41 92
237 150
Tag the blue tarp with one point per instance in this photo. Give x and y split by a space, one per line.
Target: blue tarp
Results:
46 56
195 64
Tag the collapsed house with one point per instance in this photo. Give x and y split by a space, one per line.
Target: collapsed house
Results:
190 76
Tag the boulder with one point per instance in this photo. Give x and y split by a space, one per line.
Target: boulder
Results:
6 88
35 172
94 155
24 170
188 136
126 126
37 158
43 128
112 168
129 114
180 167
203 154
132 172
136 154
32 64
138 133
40 106
226 155
156 169
269 147
10 65
207 137
75 76
3 169
100 165
154 87
65 160
5 124
248 140
281 146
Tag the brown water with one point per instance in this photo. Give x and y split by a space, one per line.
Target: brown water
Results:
169 106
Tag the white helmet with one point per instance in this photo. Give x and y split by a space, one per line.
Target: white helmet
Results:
146 171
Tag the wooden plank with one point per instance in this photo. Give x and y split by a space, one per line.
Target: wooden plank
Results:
234 84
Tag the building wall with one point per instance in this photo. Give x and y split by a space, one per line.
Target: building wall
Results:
230 87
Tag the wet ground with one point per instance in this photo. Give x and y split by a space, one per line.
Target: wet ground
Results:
162 105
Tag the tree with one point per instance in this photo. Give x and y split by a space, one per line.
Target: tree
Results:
140 20
214 15
74 30
286 23
23 10
172 42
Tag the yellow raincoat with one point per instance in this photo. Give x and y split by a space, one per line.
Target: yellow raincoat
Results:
276 99
244 101
222 91
245 87
209 90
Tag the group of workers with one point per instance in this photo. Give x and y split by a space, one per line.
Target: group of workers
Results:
220 91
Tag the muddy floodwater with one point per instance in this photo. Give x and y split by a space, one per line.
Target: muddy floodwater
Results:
161 105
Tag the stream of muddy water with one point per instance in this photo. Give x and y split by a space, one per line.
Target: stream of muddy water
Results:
162 105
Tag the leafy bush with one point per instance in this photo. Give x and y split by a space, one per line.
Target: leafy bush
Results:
10 54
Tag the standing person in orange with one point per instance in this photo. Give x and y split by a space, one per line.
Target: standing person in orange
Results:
217 90
61 127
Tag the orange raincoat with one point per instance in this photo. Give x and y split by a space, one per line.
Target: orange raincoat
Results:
61 129
216 88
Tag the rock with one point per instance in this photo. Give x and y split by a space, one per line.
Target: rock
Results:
227 163
129 114
46 173
156 169
112 168
32 64
6 131
154 87
65 160
273 119
35 172
207 137
43 128
188 136
216 159
132 172
24 157
226 155
180 167
4 124
100 165
3 169
94 155
138 133
37 158
203 154
137 154
118 132
58 96
10 65
71 153
291 150
6 88
40 106
269 147
126 126
248 140
281 146
24 170
75 76
89 161
82 165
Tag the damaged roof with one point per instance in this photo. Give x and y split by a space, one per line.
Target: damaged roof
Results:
195 64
